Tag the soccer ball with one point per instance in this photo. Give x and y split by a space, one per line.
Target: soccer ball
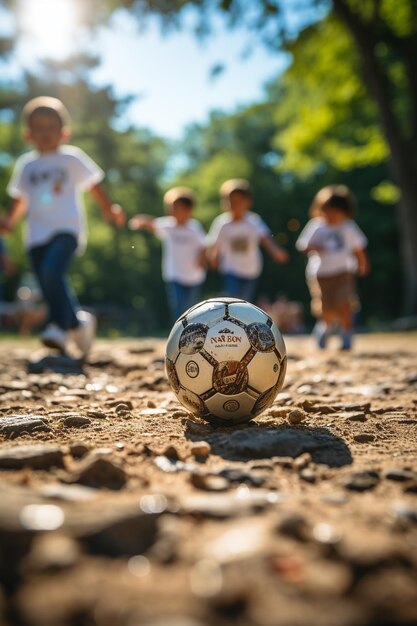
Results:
225 360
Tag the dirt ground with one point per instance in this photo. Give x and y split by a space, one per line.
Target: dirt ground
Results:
119 508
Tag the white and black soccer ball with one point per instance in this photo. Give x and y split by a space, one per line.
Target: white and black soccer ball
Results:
225 360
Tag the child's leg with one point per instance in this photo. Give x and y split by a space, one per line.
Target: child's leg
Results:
236 287
51 263
191 295
346 322
175 296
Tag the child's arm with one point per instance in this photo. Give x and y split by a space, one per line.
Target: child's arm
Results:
142 222
212 255
112 212
14 215
202 258
276 252
363 262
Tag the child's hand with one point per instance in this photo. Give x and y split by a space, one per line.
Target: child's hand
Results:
139 221
116 215
281 255
364 268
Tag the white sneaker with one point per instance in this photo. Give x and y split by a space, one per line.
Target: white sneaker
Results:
84 334
54 337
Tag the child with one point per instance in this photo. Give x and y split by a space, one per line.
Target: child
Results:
336 246
46 186
183 267
234 239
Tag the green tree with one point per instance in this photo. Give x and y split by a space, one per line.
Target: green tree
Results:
384 33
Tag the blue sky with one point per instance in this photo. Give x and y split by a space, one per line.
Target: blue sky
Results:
170 74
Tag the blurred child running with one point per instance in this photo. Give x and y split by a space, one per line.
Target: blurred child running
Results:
235 238
336 248
46 187
183 253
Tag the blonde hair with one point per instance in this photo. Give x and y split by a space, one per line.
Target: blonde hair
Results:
46 105
325 197
183 194
235 184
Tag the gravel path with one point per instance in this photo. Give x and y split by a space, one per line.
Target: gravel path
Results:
119 508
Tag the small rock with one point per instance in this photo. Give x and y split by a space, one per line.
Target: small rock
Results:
400 475
362 481
201 449
355 417
37 456
236 475
96 414
76 421
308 475
171 452
208 482
302 461
296 416
78 449
364 437
123 407
101 473
16 425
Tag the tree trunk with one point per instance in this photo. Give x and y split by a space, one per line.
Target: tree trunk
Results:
407 218
403 152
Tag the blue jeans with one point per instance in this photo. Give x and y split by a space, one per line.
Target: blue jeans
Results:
236 287
50 263
181 297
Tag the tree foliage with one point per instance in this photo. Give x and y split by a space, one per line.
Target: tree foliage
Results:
318 124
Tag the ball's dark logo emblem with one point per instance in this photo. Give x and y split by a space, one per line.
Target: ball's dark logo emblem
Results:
192 338
231 406
192 369
226 331
172 375
192 402
230 377
261 337
276 367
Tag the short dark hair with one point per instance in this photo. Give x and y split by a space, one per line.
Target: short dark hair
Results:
323 196
342 203
46 105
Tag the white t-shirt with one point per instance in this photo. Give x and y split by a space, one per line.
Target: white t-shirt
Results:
181 252
238 244
339 244
53 184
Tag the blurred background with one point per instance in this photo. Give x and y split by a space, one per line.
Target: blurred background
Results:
290 94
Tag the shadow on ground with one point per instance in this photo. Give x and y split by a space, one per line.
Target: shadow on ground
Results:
256 442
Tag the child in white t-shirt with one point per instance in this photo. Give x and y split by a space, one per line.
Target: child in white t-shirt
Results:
183 239
336 248
46 187
234 241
